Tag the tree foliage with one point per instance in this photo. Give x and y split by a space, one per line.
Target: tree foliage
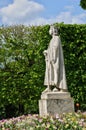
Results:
74 45
83 4
22 66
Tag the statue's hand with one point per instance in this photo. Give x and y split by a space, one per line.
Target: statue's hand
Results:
45 52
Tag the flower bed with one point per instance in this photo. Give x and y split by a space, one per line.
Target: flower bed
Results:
71 121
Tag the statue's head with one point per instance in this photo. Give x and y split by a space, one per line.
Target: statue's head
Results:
53 30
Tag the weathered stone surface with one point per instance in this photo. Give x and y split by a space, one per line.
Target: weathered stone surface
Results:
55 95
53 103
55 68
58 99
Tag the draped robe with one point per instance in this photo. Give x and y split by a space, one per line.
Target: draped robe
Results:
55 69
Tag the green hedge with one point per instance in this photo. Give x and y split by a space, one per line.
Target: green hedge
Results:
22 66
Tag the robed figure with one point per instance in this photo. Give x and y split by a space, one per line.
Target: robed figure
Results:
55 70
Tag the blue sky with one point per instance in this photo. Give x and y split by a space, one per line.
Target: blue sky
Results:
39 12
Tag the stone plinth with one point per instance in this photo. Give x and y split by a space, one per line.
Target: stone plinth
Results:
52 103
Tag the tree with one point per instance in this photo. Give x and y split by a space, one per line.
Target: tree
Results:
21 69
83 4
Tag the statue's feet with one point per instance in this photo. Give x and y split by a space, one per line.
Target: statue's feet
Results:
63 90
56 90
46 90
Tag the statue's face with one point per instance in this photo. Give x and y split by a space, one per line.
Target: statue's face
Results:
53 31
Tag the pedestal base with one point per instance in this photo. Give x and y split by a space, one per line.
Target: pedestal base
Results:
53 103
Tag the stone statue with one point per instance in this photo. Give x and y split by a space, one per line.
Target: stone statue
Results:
55 70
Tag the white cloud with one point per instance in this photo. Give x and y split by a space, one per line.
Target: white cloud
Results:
81 19
65 17
28 12
20 12
69 18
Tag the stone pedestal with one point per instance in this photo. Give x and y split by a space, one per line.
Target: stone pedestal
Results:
52 103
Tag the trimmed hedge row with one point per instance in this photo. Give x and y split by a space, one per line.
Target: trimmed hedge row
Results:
22 66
